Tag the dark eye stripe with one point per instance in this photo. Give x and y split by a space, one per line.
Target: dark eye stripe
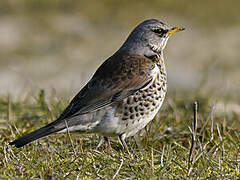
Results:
160 32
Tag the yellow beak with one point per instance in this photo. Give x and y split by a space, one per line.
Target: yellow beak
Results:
174 30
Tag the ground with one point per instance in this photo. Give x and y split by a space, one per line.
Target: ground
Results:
162 150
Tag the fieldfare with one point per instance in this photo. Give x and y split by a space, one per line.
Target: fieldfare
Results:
124 94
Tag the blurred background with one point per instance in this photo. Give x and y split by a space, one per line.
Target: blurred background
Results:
57 45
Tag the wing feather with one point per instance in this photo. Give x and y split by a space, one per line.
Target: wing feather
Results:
117 78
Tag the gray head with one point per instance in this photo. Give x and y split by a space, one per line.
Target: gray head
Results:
149 38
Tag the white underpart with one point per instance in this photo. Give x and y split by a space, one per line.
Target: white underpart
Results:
134 128
85 127
144 122
154 75
159 47
164 42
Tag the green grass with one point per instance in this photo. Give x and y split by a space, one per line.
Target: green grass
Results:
160 151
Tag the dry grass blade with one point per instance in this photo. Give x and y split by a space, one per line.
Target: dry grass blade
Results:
221 140
118 169
193 143
162 155
169 157
69 136
152 158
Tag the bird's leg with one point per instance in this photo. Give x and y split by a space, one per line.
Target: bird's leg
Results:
108 142
146 130
123 143
102 141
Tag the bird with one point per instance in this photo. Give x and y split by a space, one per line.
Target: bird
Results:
125 92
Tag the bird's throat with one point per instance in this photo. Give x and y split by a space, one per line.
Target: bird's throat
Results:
160 63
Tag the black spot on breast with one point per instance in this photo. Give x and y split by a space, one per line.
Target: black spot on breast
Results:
149 94
131 110
152 66
136 108
146 105
124 119
141 113
129 100
126 114
132 116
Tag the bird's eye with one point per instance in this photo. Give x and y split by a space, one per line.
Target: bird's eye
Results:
160 32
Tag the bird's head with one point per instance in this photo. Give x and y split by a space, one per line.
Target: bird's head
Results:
149 38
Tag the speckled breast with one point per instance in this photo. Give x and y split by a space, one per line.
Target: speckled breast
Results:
140 108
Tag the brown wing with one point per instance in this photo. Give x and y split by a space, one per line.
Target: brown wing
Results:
118 77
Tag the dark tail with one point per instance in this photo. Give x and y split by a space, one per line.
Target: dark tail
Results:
44 131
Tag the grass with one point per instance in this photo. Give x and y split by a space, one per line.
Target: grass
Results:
171 147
